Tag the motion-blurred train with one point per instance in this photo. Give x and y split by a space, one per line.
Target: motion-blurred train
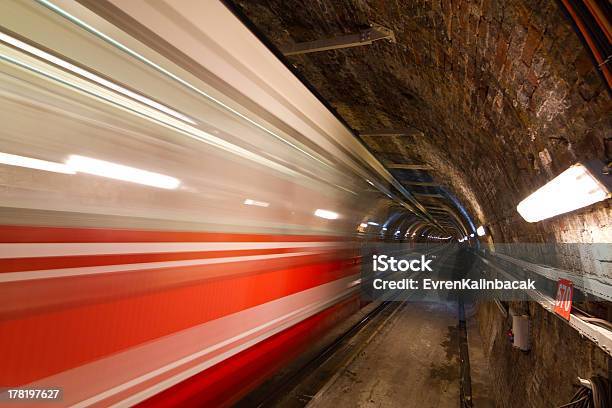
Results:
180 216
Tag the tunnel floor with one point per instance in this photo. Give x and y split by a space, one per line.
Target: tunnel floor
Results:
413 362
409 356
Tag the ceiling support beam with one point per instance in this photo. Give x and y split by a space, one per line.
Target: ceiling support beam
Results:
420 183
389 132
399 166
429 195
364 37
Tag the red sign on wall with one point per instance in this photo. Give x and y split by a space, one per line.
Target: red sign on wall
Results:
563 302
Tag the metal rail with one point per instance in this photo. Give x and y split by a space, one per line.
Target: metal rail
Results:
601 336
293 381
597 285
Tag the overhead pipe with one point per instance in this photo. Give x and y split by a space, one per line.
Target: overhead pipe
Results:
591 22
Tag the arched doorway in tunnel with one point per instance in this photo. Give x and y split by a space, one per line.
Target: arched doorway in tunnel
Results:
302 203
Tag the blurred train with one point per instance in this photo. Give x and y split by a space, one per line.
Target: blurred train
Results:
179 215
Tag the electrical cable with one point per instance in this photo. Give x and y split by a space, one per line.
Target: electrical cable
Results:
597 395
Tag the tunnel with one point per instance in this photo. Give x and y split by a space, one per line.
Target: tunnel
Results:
322 203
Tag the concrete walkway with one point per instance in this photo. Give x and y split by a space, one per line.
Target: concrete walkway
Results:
413 362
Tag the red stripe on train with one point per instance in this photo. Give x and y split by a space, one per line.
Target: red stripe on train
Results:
230 380
37 346
79 261
24 234
21 298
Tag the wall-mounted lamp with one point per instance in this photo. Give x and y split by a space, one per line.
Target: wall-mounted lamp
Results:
579 186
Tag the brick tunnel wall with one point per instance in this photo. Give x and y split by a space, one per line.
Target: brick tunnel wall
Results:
542 377
502 96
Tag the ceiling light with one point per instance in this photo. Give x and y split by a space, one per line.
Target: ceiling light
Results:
31 163
577 187
115 171
363 225
372 223
328 215
480 231
248 201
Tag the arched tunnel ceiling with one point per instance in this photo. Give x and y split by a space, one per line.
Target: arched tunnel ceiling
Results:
496 96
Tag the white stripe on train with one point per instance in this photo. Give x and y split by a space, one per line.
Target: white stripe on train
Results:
36 250
92 270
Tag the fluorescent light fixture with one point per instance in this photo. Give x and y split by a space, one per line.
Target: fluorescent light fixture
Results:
328 215
372 223
93 77
248 201
575 188
480 231
115 171
37 164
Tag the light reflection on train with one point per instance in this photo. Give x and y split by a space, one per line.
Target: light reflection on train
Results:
163 242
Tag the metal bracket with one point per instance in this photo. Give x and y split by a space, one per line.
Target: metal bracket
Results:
420 183
364 37
391 132
426 195
401 166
